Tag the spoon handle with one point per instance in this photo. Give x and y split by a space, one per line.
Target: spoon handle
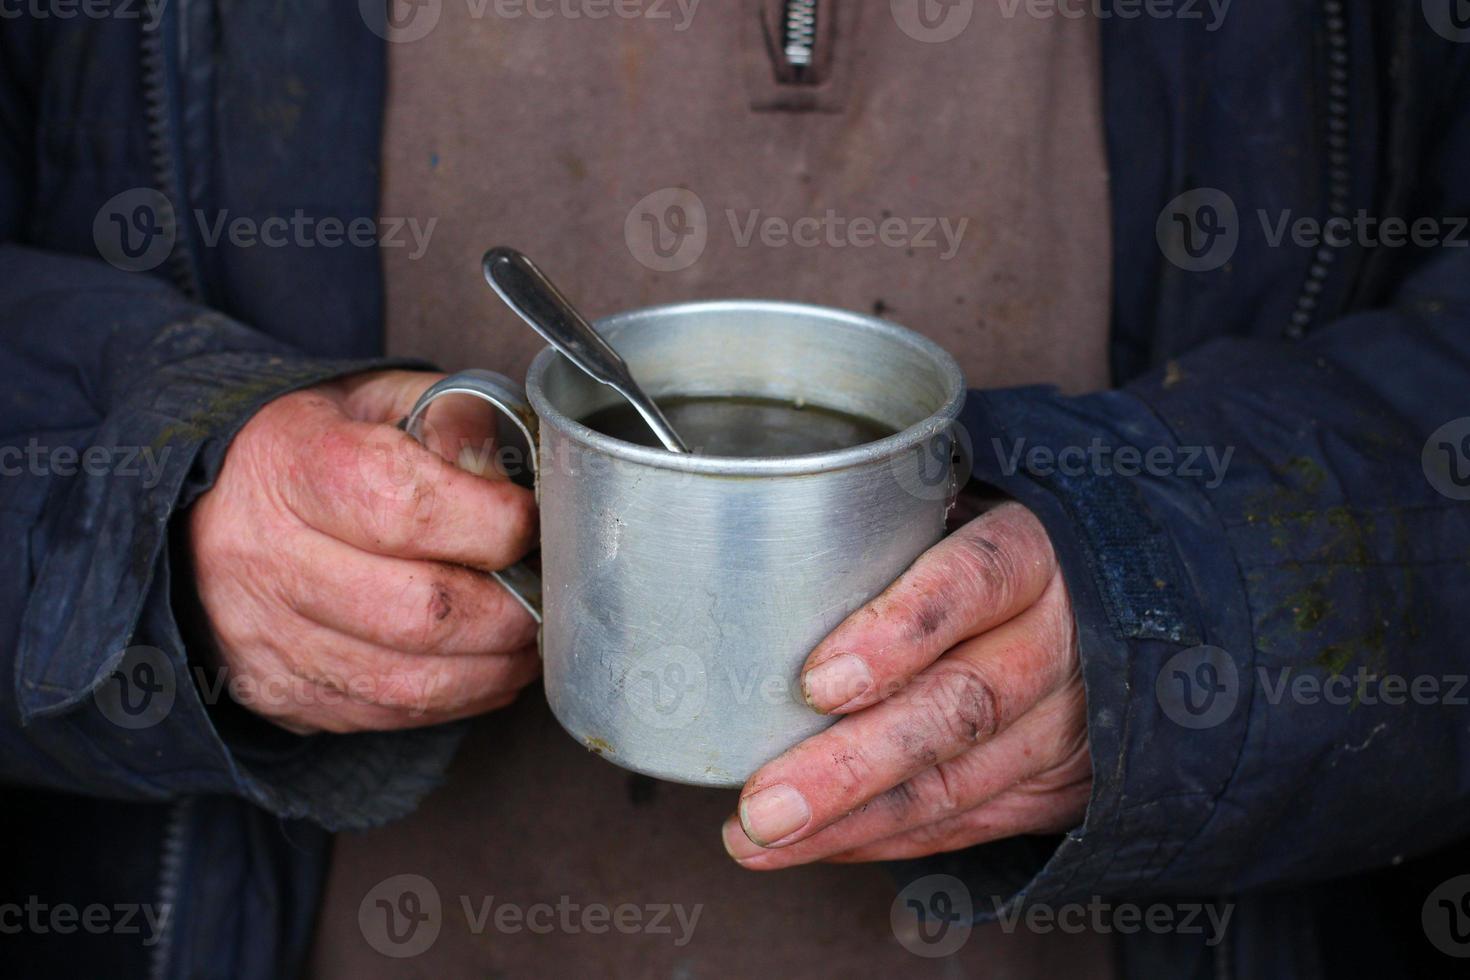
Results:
535 299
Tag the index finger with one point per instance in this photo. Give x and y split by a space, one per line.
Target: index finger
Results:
374 487
974 580
978 690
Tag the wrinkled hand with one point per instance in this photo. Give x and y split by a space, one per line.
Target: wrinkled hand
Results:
342 566
966 720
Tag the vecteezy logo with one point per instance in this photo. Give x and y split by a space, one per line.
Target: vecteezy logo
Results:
1446 917
1198 688
938 467
932 21
932 916
401 916
1446 459
667 230
666 688
135 230
400 21
1199 230
1450 19
139 692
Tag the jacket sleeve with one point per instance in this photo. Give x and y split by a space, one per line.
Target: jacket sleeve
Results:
121 398
1267 545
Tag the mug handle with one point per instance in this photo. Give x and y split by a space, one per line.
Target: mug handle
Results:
510 399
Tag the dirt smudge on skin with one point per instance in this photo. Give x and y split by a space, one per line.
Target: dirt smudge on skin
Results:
441 605
930 617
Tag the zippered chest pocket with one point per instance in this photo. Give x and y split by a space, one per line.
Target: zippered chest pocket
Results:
798 53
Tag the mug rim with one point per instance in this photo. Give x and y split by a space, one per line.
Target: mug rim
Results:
882 449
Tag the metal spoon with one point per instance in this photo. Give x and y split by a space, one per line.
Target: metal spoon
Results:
536 300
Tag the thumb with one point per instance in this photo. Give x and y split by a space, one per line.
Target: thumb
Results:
459 429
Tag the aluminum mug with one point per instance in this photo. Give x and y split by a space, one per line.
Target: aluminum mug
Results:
679 595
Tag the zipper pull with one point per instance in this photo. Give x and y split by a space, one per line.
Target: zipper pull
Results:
800 37
796 57
796 67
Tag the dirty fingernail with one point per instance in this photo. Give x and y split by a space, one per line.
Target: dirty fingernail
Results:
773 813
835 682
737 845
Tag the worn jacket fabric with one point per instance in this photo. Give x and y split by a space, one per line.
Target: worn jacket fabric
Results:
1336 538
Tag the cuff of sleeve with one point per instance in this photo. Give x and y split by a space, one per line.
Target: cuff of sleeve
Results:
1129 520
103 680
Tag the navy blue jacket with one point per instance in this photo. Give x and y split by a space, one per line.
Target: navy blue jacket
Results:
1338 538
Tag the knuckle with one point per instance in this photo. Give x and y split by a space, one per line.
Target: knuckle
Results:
396 520
902 801
379 476
974 567
456 612
426 616
965 705
928 793
985 568
938 790
921 612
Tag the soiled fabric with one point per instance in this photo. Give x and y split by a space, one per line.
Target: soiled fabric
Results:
957 187
531 824
579 141
1332 544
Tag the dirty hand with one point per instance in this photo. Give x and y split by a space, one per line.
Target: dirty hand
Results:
965 722
342 566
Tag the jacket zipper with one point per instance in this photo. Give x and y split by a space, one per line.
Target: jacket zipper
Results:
161 146
799 37
1339 176
154 58
1224 953
170 874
